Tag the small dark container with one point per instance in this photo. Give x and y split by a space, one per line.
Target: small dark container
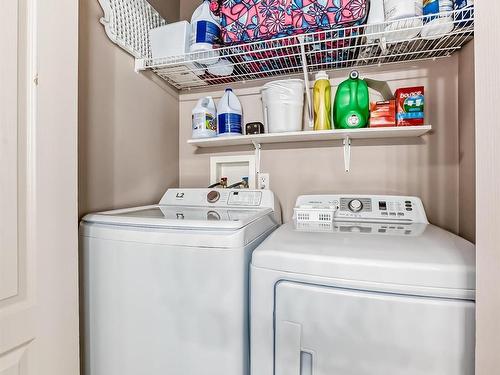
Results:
254 128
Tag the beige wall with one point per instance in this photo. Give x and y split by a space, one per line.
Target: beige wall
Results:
466 117
427 167
169 9
488 186
128 125
187 8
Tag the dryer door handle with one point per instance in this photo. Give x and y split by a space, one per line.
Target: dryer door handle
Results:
290 358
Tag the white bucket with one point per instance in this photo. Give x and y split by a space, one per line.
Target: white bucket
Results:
283 104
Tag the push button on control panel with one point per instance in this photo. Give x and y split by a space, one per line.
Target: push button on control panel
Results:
408 206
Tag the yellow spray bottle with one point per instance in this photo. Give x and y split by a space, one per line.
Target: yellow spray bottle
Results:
322 97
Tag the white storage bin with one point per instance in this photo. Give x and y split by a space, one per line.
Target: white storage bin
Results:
283 104
170 40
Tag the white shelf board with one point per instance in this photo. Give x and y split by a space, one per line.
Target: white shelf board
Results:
311 136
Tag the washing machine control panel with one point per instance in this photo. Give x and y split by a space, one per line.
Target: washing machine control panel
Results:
241 198
365 208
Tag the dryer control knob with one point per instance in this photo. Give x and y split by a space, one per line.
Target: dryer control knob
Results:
213 196
355 205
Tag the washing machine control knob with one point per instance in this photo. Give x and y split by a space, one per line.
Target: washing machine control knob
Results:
213 196
355 205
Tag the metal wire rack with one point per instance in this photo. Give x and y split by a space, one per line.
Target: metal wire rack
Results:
358 46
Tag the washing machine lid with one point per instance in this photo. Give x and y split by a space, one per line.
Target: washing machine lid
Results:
408 255
180 217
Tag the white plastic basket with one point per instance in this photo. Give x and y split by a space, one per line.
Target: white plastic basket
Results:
314 226
314 214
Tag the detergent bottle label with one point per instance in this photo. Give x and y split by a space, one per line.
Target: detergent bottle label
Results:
204 121
207 32
230 123
434 7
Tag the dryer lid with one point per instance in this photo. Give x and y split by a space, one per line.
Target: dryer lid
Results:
411 255
180 217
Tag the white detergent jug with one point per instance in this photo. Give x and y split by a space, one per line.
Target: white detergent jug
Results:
204 34
230 116
205 118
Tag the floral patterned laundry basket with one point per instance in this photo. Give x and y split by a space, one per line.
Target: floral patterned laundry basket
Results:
323 52
246 21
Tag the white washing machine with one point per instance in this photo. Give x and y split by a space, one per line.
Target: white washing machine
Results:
376 291
166 286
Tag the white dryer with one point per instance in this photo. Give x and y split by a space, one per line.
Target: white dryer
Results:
166 286
376 291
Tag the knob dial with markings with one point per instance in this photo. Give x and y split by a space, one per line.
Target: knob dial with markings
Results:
213 196
355 205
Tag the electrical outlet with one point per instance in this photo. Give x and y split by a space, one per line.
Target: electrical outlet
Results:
264 182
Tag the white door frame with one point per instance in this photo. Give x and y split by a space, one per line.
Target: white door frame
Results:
487 55
39 234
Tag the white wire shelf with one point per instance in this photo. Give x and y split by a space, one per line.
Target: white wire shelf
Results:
311 136
358 46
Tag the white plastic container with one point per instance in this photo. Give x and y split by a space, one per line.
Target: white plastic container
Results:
397 13
435 25
230 115
283 105
374 28
205 118
170 40
174 40
205 30
223 68
376 18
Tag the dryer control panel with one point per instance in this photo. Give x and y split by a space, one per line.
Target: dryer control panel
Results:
368 208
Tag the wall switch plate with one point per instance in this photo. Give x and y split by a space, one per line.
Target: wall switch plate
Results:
264 181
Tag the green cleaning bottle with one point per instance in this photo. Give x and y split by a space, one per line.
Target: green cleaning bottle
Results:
352 103
322 97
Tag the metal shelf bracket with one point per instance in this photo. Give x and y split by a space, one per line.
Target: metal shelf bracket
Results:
258 148
306 80
347 153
